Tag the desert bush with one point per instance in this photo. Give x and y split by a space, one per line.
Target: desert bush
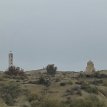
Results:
26 104
99 75
57 80
97 82
2 78
90 101
44 103
44 81
82 75
104 83
52 103
17 78
89 88
75 90
80 82
34 100
33 97
34 82
51 69
103 91
62 84
41 80
35 104
66 82
16 71
70 82
9 93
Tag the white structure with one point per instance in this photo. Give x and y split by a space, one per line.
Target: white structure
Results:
10 59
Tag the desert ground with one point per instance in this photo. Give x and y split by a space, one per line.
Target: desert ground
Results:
65 89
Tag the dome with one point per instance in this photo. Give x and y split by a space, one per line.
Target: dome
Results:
90 62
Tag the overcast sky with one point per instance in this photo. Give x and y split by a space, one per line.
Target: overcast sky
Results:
67 33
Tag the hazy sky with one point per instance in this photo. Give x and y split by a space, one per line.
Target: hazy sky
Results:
67 33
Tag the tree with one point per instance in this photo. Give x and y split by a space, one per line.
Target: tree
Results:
51 69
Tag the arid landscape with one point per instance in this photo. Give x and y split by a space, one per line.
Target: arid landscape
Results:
42 88
53 53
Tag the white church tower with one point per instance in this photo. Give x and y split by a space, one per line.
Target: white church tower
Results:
10 59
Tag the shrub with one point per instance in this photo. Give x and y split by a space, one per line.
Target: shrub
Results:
96 82
103 91
35 104
9 93
1 78
51 103
51 69
90 88
80 82
62 84
57 80
99 75
104 82
74 90
70 83
90 101
33 97
34 82
82 75
44 81
16 71
66 82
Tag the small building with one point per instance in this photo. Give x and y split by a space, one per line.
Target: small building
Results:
90 69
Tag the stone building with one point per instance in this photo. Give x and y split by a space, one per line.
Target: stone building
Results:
90 67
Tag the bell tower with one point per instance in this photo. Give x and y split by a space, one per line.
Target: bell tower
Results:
10 59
